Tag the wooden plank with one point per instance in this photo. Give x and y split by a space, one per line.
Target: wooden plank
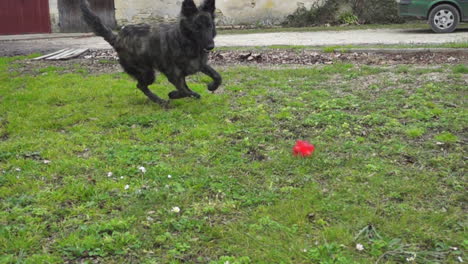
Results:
50 54
72 55
77 53
61 54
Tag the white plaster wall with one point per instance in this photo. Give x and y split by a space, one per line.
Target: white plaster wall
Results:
138 11
230 12
54 15
263 12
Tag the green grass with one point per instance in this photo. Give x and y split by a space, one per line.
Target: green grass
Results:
414 25
389 154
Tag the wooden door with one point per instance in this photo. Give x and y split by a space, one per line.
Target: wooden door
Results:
24 16
70 18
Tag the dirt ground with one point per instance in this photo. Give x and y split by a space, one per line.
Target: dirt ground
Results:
25 44
106 61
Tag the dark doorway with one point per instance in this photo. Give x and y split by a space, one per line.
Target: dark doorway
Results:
70 14
24 16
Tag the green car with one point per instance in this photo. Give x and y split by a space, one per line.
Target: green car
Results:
443 15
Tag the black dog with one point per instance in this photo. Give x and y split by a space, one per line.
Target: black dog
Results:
176 50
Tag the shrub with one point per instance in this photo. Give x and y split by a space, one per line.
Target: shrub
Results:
348 18
316 15
362 11
376 11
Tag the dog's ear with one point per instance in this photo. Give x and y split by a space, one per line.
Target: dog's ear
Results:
208 6
189 8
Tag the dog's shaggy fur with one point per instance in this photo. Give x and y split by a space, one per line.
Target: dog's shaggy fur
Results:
176 50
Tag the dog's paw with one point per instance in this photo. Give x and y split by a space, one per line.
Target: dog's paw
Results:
178 95
166 105
212 87
175 95
195 95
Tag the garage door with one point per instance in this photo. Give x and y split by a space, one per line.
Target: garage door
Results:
24 16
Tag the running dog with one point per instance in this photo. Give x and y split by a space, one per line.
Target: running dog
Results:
176 50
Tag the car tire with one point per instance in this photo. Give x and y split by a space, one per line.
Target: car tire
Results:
444 18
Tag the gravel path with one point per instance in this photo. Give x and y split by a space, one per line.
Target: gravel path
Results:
18 45
353 37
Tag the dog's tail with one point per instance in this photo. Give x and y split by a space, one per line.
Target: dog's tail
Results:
96 24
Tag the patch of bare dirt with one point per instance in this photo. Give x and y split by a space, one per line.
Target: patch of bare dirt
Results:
307 57
106 61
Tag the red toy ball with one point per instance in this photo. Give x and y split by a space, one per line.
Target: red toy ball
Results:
303 148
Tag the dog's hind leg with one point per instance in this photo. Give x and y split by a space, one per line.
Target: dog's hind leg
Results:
144 88
217 80
182 89
144 80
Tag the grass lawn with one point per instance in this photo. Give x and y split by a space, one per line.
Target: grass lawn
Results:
388 172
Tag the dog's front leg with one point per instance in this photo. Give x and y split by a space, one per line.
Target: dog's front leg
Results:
217 80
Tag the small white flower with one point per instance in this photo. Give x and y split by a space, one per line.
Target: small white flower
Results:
127 187
359 247
169 176
175 209
454 248
109 174
46 161
460 259
121 177
227 262
142 169
304 250
18 169
412 258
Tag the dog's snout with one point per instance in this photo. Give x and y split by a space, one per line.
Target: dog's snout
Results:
210 46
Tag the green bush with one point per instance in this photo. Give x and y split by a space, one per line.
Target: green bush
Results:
316 15
348 18
376 11
362 12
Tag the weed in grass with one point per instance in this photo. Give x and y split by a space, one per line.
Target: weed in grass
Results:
415 132
463 69
106 61
446 137
331 49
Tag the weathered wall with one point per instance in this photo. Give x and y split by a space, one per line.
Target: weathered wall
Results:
138 11
262 12
230 12
54 15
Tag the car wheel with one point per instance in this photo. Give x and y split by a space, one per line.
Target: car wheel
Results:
444 18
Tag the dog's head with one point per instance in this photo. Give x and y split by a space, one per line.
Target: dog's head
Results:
197 24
